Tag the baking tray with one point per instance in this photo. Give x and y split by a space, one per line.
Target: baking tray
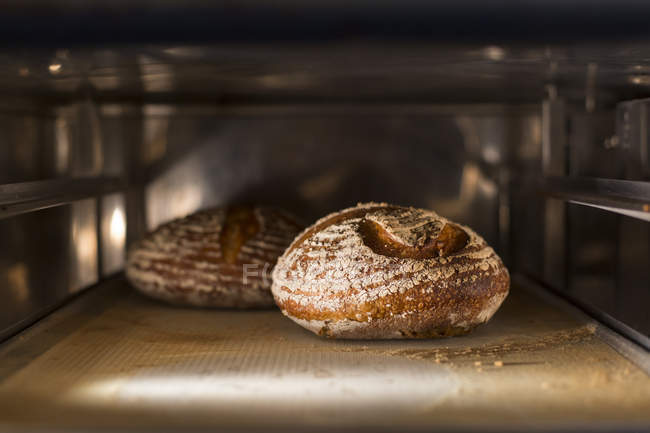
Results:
114 359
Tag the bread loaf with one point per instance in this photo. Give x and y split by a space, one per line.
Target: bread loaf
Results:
220 257
382 271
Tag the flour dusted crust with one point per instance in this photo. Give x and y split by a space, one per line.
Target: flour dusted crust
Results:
382 271
220 257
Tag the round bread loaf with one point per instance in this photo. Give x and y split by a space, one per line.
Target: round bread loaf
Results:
220 257
382 271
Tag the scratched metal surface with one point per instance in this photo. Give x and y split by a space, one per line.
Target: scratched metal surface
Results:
115 359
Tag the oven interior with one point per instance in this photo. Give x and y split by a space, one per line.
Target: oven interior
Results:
541 148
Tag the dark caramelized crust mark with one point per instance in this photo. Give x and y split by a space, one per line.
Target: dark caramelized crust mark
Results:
445 242
450 240
239 226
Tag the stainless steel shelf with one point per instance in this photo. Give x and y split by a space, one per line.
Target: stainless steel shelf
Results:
630 198
115 359
18 198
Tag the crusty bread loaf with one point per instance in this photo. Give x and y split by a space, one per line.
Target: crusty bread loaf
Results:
220 257
381 271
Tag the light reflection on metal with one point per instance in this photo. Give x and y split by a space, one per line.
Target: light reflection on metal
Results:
185 51
483 137
643 80
494 53
182 197
113 233
155 77
491 153
84 244
639 214
118 226
475 188
469 130
155 139
640 68
55 68
62 145
90 118
17 284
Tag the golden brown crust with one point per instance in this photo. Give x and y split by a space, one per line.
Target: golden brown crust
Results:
220 257
379 271
442 303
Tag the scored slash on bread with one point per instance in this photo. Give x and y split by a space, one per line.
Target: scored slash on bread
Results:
213 258
383 271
